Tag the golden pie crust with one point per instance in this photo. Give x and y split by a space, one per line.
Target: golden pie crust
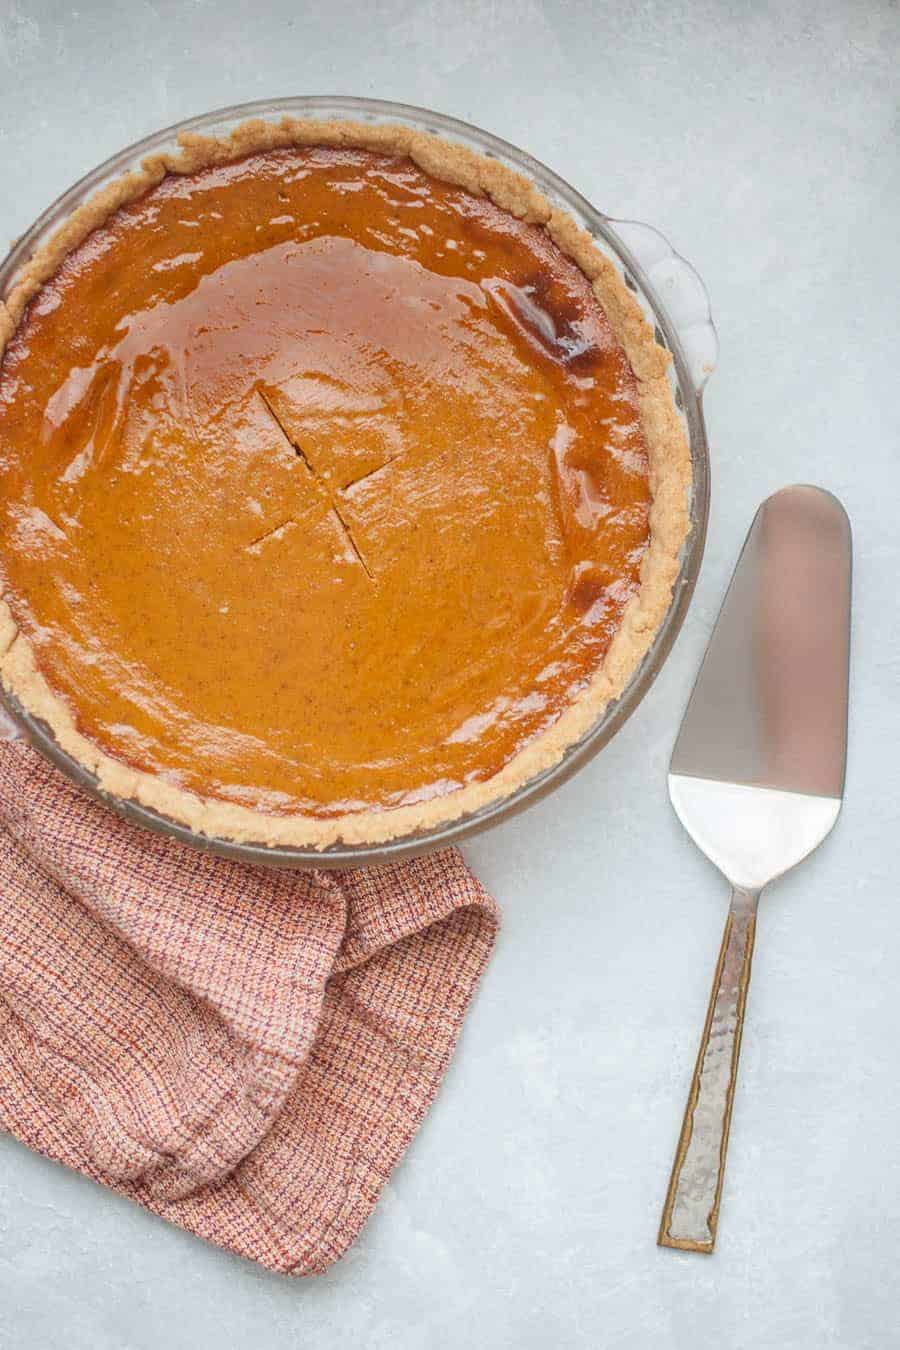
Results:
669 481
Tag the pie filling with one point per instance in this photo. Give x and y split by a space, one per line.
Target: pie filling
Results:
323 483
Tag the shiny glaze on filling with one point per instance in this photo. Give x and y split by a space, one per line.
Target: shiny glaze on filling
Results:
322 482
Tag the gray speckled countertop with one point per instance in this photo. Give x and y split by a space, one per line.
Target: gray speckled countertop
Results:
764 141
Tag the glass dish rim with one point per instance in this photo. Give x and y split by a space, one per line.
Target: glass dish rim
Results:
602 228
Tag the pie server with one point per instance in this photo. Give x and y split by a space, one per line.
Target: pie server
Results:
756 779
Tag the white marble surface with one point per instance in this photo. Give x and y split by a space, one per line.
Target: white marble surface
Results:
764 141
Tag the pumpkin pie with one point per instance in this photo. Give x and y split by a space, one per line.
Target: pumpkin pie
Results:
341 485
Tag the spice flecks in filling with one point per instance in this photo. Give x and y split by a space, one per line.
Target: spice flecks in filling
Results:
323 484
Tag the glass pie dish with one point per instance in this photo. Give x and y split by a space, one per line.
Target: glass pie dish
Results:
674 301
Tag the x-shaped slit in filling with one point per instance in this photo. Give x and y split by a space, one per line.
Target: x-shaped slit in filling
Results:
324 487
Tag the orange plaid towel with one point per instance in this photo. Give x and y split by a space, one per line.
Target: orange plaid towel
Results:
246 1052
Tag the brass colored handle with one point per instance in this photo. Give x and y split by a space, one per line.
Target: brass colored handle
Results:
691 1212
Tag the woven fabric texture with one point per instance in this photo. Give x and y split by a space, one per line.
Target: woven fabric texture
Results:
247 1052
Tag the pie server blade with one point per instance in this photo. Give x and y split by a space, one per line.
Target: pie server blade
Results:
756 778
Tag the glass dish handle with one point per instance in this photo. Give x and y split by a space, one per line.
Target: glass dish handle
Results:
682 292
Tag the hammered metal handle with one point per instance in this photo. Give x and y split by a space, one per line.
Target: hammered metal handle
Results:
691 1212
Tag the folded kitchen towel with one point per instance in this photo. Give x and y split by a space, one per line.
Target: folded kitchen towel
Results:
247 1052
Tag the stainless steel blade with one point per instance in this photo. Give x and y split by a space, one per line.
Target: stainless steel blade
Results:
769 708
756 777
